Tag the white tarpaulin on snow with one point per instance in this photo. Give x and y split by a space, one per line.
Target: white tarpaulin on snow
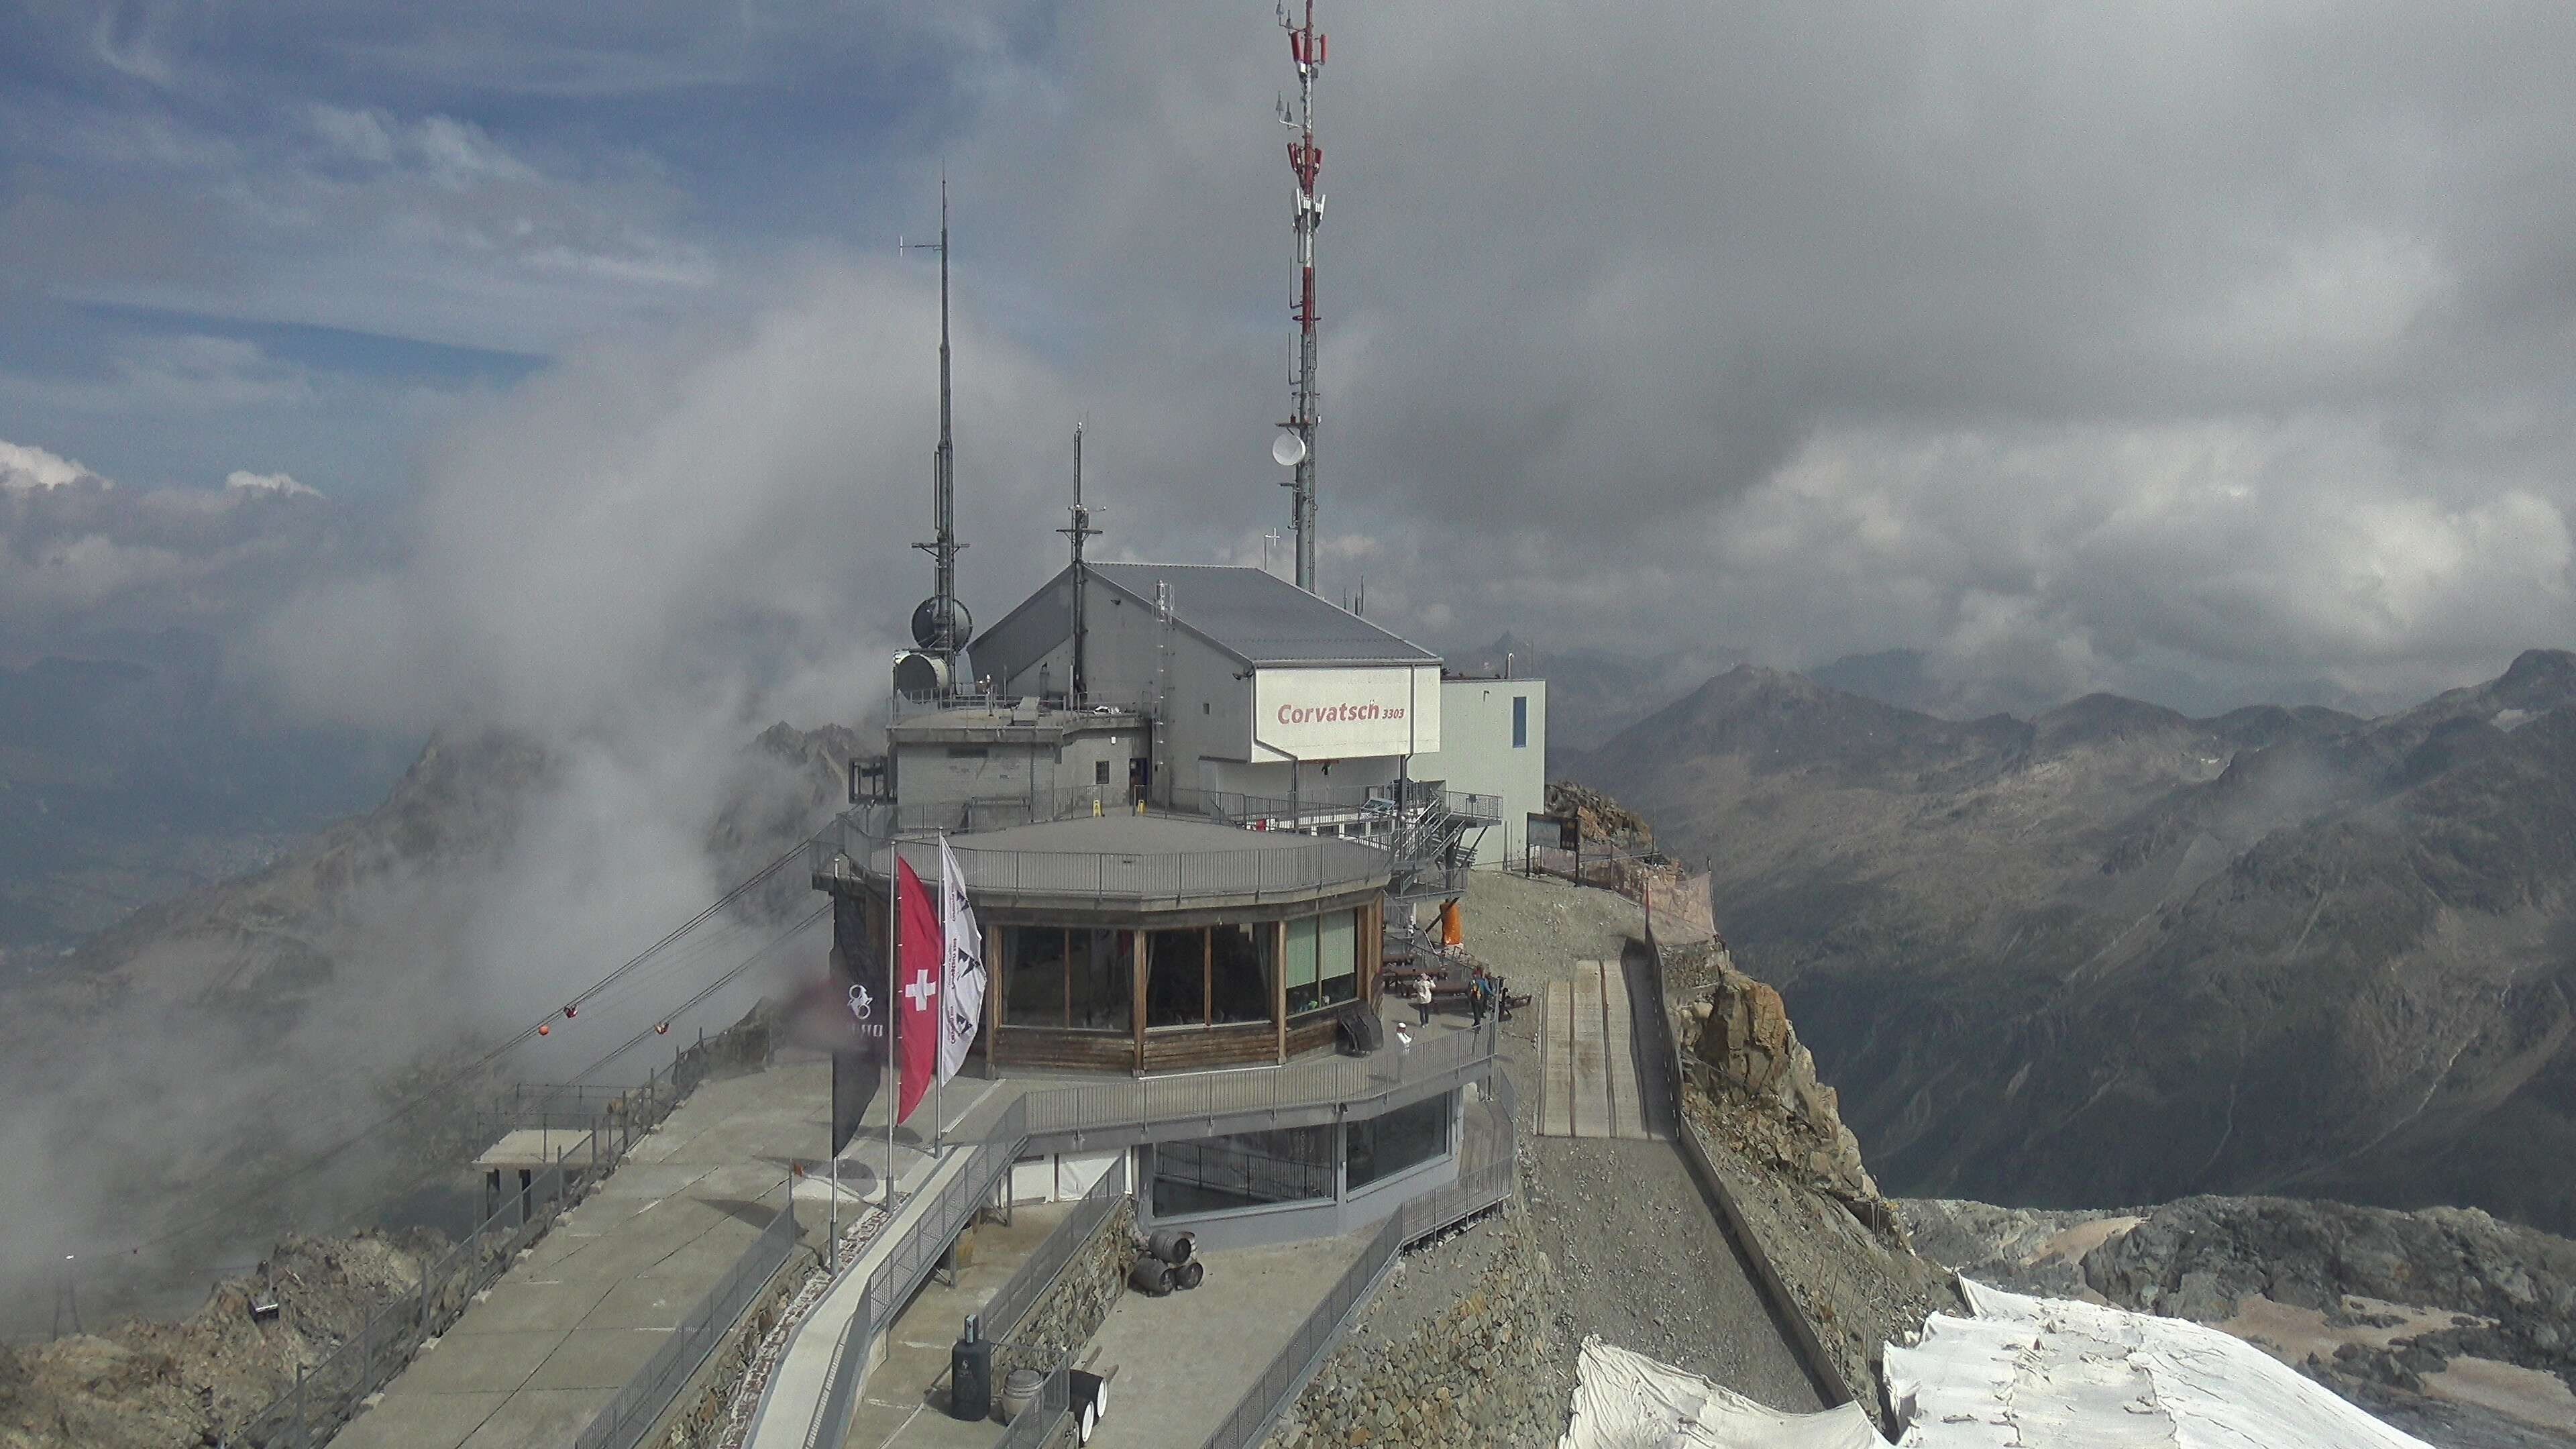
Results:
2053 1372
2024 1373
1626 1400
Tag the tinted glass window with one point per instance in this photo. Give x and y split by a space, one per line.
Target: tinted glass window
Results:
1033 979
1103 980
1406 1137
1241 987
1247 1169
1176 991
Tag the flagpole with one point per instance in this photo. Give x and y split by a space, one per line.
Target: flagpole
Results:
938 1120
894 945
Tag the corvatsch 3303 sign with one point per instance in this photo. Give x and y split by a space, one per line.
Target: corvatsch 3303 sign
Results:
1341 714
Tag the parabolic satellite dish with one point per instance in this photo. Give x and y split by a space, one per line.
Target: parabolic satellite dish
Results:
1289 449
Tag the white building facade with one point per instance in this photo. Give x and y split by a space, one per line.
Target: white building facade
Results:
1493 741
1259 689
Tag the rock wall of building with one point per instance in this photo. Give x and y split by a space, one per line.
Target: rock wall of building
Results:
709 1396
1073 1309
1486 1371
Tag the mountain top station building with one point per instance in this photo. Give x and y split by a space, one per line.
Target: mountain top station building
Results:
1185 803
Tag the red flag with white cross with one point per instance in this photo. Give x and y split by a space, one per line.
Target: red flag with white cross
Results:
916 1007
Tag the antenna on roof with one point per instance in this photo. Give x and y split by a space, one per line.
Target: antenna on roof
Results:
1295 446
941 625
1079 529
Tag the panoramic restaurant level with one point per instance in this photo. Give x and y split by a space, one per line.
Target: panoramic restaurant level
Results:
1140 943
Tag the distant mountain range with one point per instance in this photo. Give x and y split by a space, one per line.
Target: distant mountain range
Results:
132 772
2109 954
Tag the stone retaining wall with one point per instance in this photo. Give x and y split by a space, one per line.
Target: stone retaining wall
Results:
1078 1302
1486 1371
708 1396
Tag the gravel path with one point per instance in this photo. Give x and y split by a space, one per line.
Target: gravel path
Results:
1641 1258
1641 1262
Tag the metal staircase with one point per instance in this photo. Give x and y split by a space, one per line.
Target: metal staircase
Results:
1437 831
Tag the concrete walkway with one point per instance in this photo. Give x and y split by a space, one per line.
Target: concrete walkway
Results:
784 1418
542 1350
1184 1361
906 1399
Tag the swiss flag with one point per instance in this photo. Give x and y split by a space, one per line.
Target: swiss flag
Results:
916 991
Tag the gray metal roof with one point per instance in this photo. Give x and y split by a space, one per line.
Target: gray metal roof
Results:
1262 618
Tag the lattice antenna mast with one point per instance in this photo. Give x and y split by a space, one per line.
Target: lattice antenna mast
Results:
1306 47
946 626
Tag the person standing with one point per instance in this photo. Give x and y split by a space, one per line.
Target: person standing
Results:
1422 999
1479 997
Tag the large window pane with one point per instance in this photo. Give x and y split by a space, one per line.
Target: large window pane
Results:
1248 1169
1337 939
1176 991
1405 1137
1104 981
1242 982
1300 965
1033 980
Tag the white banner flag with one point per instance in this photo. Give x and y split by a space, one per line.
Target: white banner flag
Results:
961 994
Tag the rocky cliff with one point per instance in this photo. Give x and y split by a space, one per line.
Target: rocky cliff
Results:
1773 1132
144 1385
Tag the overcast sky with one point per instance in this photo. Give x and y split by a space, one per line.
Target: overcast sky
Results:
2078 345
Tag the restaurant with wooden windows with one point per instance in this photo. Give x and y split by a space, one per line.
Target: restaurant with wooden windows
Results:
1146 942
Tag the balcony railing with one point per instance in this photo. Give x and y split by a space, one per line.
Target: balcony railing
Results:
853 853
1186 1105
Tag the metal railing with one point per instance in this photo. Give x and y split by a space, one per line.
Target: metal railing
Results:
327 1395
1186 1105
599 1123
1364 802
1037 1424
914 1254
1001 811
1115 878
630 1415
1030 1281
1475 1191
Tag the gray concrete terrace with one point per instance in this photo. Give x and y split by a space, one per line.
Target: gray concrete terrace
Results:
542 1350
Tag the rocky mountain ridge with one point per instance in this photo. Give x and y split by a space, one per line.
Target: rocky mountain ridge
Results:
2114 954
219 1039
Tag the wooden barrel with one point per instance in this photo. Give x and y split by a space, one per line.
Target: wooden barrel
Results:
1019 1390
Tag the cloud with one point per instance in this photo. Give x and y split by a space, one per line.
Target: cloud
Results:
710 512
23 468
277 483
79 554
1607 295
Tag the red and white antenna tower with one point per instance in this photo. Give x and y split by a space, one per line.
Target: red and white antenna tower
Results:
1295 447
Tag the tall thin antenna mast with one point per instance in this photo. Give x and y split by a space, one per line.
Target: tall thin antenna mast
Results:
1296 447
1079 530
940 624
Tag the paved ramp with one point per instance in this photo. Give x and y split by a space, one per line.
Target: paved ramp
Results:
1588 1079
